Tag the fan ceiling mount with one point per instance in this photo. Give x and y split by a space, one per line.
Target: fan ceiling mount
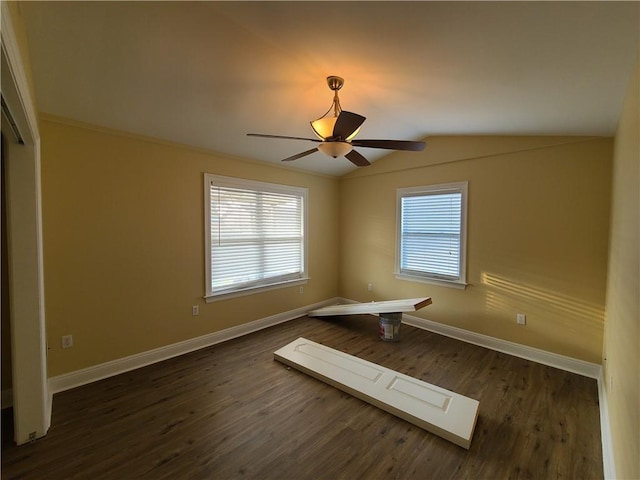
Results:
336 130
335 83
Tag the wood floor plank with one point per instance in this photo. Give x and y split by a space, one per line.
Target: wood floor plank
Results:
230 411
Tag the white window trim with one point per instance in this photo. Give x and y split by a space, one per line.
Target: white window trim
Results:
264 186
457 187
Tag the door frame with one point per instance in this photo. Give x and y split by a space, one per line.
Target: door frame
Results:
31 397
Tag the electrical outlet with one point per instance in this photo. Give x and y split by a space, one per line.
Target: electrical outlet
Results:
301 290
67 341
521 318
195 310
370 287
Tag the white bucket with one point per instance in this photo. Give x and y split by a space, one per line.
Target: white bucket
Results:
390 326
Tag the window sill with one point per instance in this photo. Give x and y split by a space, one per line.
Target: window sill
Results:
433 281
253 290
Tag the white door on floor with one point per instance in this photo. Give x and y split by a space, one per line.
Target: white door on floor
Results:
439 411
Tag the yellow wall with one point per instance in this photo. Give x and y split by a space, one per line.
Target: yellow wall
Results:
538 210
123 222
124 254
622 335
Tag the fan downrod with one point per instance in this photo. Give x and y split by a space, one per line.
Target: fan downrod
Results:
335 83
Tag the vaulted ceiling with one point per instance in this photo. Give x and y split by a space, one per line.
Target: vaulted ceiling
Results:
206 73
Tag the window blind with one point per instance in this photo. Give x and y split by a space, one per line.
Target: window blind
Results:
431 235
256 236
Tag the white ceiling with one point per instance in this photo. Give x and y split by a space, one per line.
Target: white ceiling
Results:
207 73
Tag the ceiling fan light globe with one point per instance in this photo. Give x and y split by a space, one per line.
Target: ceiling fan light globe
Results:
335 149
323 127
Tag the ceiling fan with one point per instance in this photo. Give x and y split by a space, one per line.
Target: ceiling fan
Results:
336 130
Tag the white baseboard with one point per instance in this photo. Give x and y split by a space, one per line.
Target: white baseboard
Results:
85 376
587 369
6 398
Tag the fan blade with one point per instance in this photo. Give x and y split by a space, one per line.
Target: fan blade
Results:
300 155
357 159
390 144
282 136
346 124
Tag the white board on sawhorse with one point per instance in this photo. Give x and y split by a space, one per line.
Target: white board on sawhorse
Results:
439 411
386 306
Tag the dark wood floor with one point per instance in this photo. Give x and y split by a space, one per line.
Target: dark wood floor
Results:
230 411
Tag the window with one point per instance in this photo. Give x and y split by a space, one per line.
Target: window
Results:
255 236
431 240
